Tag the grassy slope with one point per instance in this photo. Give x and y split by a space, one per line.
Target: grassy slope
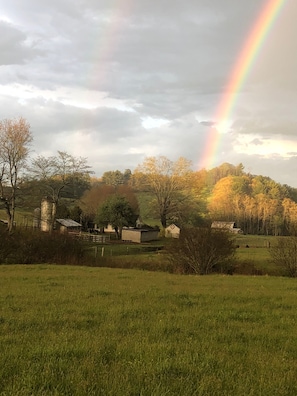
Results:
22 217
95 331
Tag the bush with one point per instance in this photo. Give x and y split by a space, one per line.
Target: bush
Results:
202 251
284 254
32 246
140 263
247 267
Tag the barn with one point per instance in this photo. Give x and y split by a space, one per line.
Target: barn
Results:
140 235
227 225
68 226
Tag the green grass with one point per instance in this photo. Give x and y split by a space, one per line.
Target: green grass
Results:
256 241
253 255
145 208
122 249
23 218
96 331
254 260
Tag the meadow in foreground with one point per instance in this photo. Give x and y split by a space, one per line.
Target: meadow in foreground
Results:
96 331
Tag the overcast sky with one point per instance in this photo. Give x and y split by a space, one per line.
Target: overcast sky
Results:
119 80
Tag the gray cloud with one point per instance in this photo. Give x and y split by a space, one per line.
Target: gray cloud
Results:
119 81
15 47
207 123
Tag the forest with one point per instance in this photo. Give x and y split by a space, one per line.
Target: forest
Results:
257 204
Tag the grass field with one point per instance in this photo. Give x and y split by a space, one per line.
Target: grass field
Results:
254 260
97 331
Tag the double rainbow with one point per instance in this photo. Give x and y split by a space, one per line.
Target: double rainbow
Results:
243 65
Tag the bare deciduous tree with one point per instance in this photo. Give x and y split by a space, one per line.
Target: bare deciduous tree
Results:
166 180
202 250
15 139
284 254
59 172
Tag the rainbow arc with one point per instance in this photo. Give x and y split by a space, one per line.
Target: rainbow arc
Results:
244 63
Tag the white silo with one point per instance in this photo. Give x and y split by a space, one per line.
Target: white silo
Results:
46 215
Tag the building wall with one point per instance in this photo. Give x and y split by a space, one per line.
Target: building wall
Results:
139 236
151 235
67 230
131 235
62 229
172 231
109 228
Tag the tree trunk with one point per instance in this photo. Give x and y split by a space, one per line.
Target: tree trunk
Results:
8 213
163 220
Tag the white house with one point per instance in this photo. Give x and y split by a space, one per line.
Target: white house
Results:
172 231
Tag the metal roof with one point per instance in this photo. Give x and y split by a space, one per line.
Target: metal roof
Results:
68 223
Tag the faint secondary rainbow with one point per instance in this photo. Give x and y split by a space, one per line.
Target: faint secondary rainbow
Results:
107 42
243 65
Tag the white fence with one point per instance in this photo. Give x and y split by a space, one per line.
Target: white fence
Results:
95 238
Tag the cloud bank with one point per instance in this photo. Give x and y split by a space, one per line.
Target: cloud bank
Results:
119 81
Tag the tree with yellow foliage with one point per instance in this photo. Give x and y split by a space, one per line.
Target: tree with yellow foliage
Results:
167 181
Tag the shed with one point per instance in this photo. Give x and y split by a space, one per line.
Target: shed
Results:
3 222
226 225
139 235
68 226
172 231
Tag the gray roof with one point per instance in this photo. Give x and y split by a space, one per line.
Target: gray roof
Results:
68 223
222 224
139 229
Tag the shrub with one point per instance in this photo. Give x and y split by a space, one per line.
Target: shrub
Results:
247 267
32 246
284 254
202 251
140 263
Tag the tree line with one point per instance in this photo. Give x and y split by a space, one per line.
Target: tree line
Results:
173 191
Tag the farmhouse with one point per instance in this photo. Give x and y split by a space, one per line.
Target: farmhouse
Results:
139 235
109 228
226 225
172 231
68 226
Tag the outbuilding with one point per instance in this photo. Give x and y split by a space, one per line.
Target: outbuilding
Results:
227 225
139 235
172 231
68 226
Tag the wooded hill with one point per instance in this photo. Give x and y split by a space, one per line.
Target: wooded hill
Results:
174 193
257 204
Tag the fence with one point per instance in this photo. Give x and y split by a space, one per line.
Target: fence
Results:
95 238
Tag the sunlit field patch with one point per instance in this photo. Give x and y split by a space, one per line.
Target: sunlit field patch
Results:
97 331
